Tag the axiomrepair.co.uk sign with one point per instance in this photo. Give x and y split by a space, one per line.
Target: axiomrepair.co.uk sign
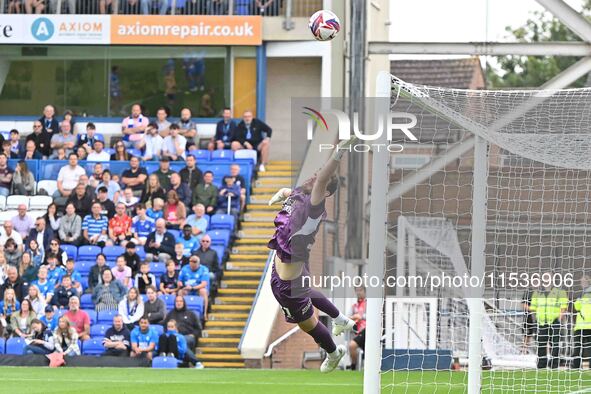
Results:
130 30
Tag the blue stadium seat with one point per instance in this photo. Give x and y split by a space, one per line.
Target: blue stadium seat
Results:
248 154
139 249
201 155
2 345
220 237
83 267
158 328
175 233
208 219
86 301
220 250
164 362
88 253
112 252
222 222
134 152
91 314
84 282
224 154
106 317
168 300
195 303
157 269
93 347
144 298
15 346
99 330
71 251
61 312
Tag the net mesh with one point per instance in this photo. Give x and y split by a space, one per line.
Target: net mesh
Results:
537 226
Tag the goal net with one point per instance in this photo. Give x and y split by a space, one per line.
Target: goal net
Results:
487 209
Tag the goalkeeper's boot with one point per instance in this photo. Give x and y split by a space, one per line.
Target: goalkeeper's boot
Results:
338 329
332 360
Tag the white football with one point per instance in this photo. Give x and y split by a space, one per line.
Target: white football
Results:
324 25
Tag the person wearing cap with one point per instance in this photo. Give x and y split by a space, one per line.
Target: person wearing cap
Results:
98 153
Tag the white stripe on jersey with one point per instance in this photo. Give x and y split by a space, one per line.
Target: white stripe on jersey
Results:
309 227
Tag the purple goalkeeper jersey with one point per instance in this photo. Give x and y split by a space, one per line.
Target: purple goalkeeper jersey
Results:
296 226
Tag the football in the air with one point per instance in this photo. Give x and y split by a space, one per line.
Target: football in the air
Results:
325 25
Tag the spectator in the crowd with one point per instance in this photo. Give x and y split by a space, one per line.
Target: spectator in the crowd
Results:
131 308
103 6
8 306
63 293
12 253
154 307
135 176
157 210
74 275
54 248
175 212
6 175
194 280
164 173
55 272
20 321
188 240
81 153
16 148
65 140
241 182
3 267
206 193
36 252
85 180
68 177
41 139
142 225
44 285
120 226
197 221
117 338
133 127
70 230
9 232
144 278
95 226
174 145
14 282
143 340
107 206
209 258
179 257
21 222
169 281
129 200
42 235
61 154
65 338
107 294
78 318
31 152
188 128
153 143
122 272
255 134
182 189
229 197
40 339
81 200
50 318
98 153
48 120
97 175
113 188
162 124
225 132
147 5
6 150
120 153
188 323
36 299
153 190
132 259
27 269
172 343
191 175
87 140
52 221
23 180
160 243
95 277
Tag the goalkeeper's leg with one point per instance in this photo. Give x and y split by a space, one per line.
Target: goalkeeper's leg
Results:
341 322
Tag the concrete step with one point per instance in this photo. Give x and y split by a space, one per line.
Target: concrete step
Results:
233 302
215 333
260 250
250 241
265 234
252 208
238 292
218 357
214 349
275 182
234 308
222 315
221 323
231 275
249 257
218 341
245 266
223 364
239 284
259 199
259 217
257 225
272 189
277 173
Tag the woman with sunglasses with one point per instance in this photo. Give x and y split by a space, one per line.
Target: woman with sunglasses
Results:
120 153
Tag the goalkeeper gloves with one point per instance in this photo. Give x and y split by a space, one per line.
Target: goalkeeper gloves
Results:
279 196
343 147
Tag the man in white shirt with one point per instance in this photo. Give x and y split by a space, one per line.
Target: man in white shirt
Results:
68 177
174 145
9 232
98 154
153 143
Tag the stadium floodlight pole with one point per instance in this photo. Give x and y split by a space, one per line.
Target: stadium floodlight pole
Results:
377 248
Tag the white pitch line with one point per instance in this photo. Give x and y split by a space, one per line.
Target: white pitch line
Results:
587 390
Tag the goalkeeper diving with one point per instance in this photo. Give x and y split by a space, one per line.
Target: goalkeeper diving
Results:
296 226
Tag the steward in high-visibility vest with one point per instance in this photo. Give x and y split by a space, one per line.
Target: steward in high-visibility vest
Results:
549 306
582 330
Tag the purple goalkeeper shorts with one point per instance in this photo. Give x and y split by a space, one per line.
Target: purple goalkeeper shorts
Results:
295 301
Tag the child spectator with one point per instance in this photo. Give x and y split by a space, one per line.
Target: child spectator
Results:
188 323
122 272
154 307
40 340
131 308
8 306
129 200
144 278
179 257
50 319
75 276
173 344
169 279
156 212
45 286
63 293
143 340
65 338
117 338
142 225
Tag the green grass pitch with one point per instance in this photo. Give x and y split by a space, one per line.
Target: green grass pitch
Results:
228 381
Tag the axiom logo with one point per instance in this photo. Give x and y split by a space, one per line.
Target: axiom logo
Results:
400 122
42 29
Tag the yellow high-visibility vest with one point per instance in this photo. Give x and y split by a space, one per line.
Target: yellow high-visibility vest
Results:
583 307
547 306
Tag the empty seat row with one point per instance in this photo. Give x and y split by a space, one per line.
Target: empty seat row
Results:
39 203
193 302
